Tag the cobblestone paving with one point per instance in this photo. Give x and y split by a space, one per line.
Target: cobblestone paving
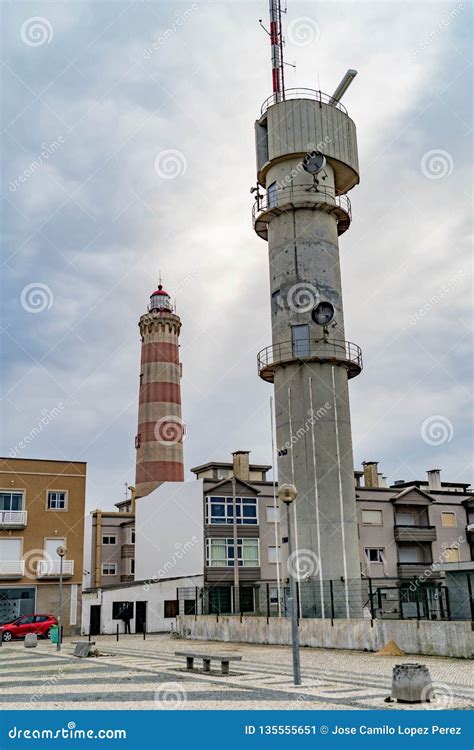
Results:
139 674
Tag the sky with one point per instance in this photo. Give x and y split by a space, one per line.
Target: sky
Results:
128 149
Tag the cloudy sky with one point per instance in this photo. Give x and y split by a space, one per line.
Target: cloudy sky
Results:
95 92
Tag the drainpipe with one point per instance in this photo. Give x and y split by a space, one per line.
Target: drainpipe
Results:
98 547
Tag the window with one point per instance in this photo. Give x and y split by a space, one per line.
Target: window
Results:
273 514
57 500
372 517
272 193
409 554
405 519
451 554
121 610
300 340
132 567
109 569
132 536
11 500
448 520
274 554
220 510
190 607
109 539
171 608
220 553
222 473
273 593
375 554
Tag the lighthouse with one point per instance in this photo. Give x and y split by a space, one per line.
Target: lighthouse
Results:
306 164
159 439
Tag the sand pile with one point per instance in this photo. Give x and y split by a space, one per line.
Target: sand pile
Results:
390 649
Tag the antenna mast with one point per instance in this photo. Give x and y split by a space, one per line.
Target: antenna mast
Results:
276 40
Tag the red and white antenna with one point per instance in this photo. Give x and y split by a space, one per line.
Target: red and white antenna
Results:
276 40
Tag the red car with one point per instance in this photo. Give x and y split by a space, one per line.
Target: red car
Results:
21 626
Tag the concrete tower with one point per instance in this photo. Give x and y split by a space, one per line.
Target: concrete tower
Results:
306 163
159 441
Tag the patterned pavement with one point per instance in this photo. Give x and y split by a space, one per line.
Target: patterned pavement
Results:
137 674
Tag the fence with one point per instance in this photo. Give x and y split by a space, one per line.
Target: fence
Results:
385 599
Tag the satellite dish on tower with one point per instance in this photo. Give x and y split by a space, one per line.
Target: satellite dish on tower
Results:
314 162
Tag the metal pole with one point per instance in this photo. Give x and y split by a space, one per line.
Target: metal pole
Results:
236 554
58 644
469 588
292 606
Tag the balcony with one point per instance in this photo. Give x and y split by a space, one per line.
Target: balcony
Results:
50 568
302 93
417 569
415 533
287 198
11 569
13 519
334 351
127 551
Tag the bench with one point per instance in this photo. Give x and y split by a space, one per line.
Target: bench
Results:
206 660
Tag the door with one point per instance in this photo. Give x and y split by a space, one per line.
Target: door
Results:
94 620
300 340
24 626
140 617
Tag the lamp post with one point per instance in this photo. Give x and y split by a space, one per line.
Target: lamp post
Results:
288 494
61 551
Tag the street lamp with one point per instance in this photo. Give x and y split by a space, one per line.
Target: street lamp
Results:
288 494
61 551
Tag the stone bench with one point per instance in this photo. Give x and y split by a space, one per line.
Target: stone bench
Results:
206 660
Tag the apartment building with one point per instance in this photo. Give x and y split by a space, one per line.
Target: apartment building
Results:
110 545
41 509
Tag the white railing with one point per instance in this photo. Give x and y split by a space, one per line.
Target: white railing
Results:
13 517
12 568
51 568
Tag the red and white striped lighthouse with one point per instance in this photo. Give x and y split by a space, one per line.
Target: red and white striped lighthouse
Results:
159 440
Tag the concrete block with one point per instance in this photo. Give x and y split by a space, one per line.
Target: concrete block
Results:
83 649
411 683
31 640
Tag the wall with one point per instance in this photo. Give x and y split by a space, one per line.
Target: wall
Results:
169 531
424 637
155 594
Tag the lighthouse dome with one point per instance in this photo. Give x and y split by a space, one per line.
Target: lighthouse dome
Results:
160 300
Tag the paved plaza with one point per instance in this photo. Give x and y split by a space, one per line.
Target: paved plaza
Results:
138 674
